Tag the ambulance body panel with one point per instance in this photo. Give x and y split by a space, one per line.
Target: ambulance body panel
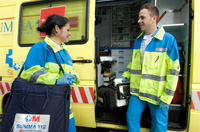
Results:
104 29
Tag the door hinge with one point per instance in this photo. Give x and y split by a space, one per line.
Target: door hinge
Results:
189 101
191 14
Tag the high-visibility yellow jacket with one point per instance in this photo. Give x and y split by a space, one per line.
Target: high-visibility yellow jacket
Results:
156 78
41 66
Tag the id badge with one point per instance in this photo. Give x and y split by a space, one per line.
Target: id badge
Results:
31 123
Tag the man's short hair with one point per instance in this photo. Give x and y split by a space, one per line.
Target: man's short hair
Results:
153 9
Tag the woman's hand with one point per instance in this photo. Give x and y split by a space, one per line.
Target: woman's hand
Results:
66 79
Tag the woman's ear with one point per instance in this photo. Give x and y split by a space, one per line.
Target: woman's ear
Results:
57 29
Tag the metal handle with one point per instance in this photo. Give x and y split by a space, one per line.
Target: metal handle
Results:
82 61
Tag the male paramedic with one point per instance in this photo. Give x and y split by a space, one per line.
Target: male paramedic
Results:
153 72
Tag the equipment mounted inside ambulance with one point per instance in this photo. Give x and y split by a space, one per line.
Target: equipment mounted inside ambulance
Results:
103 32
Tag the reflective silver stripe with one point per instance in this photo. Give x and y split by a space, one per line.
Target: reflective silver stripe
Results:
150 96
134 90
37 74
136 72
154 77
128 69
173 72
169 92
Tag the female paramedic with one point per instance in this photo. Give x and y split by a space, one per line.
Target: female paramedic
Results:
38 65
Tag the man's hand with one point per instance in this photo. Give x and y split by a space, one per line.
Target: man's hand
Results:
163 105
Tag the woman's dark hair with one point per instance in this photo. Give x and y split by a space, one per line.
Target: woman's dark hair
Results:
51 22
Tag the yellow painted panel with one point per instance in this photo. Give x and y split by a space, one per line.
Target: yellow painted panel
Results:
6 69
81 52
19 53
121 127
19 56
196 86
6 25
6 38
6 32
11 2
84 114
111 126
196 43
194 121
4 3
1 104
7 11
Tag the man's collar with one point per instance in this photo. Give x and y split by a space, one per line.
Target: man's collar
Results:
159 34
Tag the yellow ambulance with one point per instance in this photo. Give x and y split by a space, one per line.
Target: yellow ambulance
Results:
103 32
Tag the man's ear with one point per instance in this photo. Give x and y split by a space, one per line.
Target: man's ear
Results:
154 18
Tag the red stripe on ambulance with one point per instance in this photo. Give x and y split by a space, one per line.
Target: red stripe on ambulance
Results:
79 94
6 18
83 95
74 95
192 105
92 93
5 87
195 103
198 93
2 89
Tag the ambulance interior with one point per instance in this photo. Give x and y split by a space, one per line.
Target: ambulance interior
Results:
116 28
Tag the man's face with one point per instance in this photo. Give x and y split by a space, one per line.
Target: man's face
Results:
145 20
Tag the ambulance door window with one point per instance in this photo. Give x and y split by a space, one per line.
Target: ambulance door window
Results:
29 21
75 10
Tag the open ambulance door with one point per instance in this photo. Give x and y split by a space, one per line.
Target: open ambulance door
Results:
194 111
81 48
83 56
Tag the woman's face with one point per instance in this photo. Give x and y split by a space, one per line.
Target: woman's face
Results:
63 33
